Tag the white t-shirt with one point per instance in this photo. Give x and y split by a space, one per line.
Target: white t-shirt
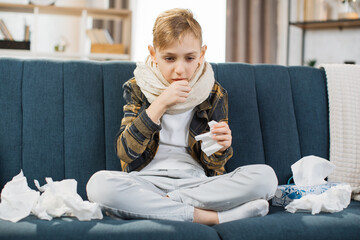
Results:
174 135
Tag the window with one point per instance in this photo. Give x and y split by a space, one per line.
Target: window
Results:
211 15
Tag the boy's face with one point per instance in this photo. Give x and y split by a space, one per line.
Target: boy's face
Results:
179 60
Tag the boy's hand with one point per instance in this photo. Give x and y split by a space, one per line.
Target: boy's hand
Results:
222 134
177 92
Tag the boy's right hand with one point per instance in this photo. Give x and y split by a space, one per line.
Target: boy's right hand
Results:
177 92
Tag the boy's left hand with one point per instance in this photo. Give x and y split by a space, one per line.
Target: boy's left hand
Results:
222 134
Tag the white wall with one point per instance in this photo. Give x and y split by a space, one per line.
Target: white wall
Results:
211 15
325 46
333 46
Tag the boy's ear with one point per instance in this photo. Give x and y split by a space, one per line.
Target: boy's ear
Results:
202 53
152 53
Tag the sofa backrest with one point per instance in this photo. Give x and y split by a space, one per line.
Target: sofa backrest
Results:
59 118
277 114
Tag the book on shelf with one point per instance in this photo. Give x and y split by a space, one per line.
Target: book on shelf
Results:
99 36
5 31
116 48
310 10
27 33
300 10
102 42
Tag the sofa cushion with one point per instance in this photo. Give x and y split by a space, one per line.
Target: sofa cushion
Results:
308 87
84 132
108 228
43 121
279 225
113 105
244 119
10 119
277 114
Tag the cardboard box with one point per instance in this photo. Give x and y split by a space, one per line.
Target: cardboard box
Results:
107 48
287 193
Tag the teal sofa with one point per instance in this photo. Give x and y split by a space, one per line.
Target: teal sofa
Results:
59 119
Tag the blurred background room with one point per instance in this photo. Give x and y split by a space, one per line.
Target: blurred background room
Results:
285 32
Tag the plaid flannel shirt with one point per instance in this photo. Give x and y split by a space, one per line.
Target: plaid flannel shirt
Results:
138 138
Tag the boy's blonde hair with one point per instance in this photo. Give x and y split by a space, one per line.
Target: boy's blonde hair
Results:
172 25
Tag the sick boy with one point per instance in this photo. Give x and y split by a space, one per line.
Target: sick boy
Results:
166 175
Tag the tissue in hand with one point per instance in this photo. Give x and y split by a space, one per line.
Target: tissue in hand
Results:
311 170
208 145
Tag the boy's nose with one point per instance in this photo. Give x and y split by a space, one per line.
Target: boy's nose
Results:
179 68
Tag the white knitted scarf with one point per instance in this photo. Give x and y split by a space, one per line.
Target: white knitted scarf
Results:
152 84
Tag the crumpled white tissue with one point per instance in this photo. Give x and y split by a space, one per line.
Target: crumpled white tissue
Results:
58 199
333 200
61 199
311 170
208 145
17 199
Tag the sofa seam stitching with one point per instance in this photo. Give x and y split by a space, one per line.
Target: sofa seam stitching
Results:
104 121
63 94
293 106
22 116
259 116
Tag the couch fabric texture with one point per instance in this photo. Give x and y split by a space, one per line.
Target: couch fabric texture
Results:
59 119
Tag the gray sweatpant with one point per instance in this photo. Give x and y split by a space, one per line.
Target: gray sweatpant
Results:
173 194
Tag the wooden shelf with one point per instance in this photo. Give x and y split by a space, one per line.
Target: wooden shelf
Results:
346 23
73 11
123 15
60 55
